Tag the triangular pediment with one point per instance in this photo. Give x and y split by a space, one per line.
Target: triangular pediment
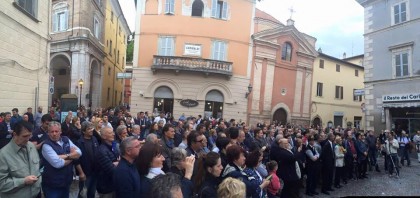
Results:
270 36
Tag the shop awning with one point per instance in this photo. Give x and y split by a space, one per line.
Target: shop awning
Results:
401 105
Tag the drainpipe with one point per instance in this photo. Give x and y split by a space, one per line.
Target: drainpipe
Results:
115 58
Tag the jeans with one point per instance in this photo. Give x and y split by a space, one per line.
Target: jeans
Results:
90 185
392 163
404 155
50 192
372 156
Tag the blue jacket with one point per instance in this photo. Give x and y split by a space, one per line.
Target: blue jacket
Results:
14 120
127 180
361 147
105 158
251 172
231 170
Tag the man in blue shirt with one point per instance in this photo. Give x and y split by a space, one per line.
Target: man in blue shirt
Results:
126 177
59 153
15 117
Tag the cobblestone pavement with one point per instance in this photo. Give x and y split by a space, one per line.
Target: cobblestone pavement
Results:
380 184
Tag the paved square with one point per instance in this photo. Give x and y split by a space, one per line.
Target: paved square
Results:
380 184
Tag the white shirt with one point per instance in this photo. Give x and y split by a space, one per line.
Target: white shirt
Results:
153 172
157 119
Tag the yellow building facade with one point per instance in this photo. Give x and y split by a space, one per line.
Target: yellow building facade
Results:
116 34
193 57
333 100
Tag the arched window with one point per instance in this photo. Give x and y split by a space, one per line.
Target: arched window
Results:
60 17
286 53
197 8
163 100
213 106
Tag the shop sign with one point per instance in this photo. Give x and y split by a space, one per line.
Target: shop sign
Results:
192 50
401 97
189 103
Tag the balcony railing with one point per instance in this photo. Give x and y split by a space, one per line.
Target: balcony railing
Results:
178 63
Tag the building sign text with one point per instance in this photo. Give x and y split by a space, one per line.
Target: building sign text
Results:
401 97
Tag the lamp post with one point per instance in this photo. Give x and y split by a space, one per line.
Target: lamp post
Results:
80 93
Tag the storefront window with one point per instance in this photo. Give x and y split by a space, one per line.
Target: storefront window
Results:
163 100
407 119
214 104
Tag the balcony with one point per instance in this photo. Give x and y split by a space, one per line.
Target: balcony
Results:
205 66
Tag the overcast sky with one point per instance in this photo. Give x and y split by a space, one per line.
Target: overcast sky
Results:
337 24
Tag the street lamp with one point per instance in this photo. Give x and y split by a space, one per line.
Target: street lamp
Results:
249 90
80 96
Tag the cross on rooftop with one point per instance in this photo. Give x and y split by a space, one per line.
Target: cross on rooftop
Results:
291 12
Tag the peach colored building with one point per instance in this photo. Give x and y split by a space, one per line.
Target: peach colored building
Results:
282 72
193 57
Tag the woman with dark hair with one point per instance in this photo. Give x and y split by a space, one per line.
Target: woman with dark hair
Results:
75 129
149 164
154 128
252 161
236 160
207 178
222 143
89 146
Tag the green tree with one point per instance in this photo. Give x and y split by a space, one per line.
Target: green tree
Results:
130 50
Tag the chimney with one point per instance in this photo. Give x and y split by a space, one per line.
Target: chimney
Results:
290 22
344 55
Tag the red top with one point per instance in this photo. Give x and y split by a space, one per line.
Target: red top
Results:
352 148
274 186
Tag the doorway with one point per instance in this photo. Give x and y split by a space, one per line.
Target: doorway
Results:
280 116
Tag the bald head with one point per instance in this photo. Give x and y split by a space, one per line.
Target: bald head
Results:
284 143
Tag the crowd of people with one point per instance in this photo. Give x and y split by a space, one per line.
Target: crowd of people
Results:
110 153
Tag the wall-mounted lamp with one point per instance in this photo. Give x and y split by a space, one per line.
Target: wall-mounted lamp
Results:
249 90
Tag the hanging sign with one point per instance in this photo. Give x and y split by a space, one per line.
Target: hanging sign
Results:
189 103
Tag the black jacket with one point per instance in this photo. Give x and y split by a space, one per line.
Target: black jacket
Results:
286 161
327 155
209 187
105 158
88 162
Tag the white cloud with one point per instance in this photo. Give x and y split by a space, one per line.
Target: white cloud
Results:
129 11
338 22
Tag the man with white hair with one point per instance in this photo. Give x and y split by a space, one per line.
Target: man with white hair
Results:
59 153
391 147
288 168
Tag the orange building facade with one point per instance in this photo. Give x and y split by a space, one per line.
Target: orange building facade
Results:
282 71
193 57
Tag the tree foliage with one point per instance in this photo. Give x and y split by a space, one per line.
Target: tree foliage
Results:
130 50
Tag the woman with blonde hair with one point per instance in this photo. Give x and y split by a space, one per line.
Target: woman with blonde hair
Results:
97 123
339 151
231 188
